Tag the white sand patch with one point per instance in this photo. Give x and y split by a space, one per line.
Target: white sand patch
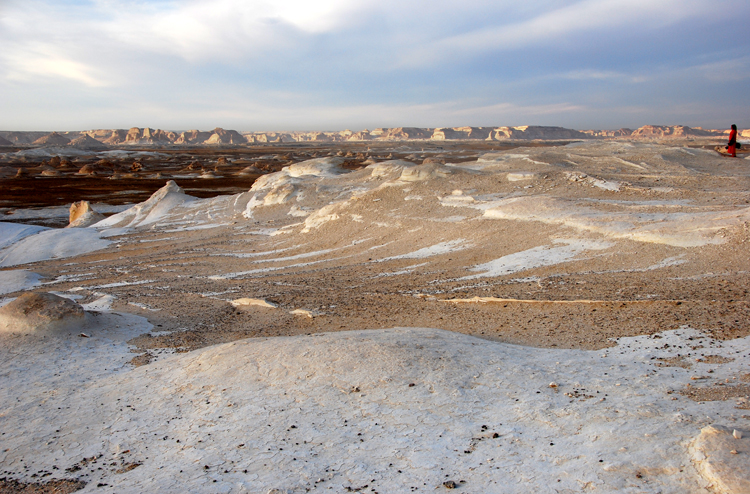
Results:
407 270
680 229
11 233
605 184
48 243
117 284
317 253
449 219
520 176
244 274
391 409
195 227
102 303
143 306
243 255
668 262
543 255
433 250
18 280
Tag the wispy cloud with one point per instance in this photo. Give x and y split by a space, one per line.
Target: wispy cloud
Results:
45 62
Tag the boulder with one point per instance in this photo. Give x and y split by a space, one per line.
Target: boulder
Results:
721 456
41 313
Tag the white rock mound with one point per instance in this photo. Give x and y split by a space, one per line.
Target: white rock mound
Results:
41 313
150 211
283 186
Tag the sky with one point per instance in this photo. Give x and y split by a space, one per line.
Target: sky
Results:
265 65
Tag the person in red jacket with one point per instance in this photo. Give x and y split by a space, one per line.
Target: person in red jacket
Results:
732 145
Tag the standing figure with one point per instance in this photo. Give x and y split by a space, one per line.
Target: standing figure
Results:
732 144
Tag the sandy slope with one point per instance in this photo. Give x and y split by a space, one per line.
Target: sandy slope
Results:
561 247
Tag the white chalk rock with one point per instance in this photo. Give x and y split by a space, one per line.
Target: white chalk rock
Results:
519 176
424 172
41 312
152 210
83 215
712 454
240 302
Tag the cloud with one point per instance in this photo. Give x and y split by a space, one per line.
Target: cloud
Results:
732 70
43 61
558 25
292 63
225 30
601 75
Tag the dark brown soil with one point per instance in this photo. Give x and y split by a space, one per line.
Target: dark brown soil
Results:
51 487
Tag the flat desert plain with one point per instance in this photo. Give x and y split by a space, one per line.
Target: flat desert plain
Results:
400 317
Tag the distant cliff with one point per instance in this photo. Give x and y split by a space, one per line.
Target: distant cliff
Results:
89 139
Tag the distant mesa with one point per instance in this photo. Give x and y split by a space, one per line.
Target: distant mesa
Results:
149 136
52 139
117 136
662 131
146 136
221 136
535 132
192 137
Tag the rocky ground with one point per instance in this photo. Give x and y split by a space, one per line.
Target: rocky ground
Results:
551 246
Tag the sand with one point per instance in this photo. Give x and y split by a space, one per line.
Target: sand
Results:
638 250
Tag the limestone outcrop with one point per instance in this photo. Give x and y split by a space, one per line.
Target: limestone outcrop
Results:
720 455
83 215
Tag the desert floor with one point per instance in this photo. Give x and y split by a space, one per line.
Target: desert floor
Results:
603 284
